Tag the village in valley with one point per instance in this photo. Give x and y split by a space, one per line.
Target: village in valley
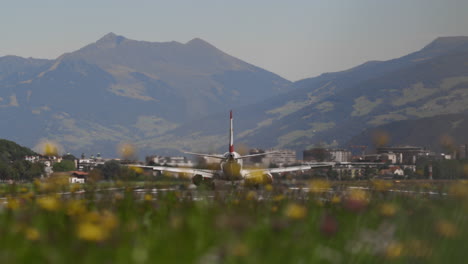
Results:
387 163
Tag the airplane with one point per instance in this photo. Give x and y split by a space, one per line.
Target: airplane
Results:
231 167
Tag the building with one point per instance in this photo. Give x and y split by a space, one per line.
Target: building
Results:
280 157
370 158
316 154
171 161
78 177
48 162
255 160
88 164
392 171
340 155
462 151
391 158
409 154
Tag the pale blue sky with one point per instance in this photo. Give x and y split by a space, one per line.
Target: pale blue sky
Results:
295 39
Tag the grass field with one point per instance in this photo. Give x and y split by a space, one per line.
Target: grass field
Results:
328 222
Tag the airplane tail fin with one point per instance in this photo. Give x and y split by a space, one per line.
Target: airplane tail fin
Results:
231 136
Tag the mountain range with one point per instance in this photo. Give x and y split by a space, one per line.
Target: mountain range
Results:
333 108
118 89
168 97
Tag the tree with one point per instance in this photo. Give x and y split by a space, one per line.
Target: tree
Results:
95 175
409 173
69 157
6 171
111 170
64 165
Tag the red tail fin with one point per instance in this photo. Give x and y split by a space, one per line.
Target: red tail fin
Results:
231 136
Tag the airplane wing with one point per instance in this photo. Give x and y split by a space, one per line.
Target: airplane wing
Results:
296 168
288 169
206 155
255 155
204 173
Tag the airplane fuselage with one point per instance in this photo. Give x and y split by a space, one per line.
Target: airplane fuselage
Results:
231 167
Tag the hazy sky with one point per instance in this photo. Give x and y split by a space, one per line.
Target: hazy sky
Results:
295 39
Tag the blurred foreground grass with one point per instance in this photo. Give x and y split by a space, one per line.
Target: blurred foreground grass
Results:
54 222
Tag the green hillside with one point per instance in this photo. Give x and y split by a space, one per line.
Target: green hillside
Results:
440 133
13 166
10 151
334 107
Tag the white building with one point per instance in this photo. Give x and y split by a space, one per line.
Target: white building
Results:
172 161
340 155
392 157
78 177
280 157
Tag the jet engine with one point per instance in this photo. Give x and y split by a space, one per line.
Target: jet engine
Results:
265 178
199 180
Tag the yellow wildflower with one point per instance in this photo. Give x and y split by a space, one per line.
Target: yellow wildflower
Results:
49 203
148 197
49 148
394 250
459 189
356 200
92 217
127 150
446 228
108 220
295 211
12 203
335 199
32 234
278 198
319 186
251 195
76 207
269 187
96 227
388 209
274 209
92 232
28 196
137 169
358 195
381 185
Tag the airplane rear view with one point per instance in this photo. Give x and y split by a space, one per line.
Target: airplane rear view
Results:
231 167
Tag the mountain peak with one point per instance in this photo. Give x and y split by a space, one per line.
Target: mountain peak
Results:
447 43
199 43
110 40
